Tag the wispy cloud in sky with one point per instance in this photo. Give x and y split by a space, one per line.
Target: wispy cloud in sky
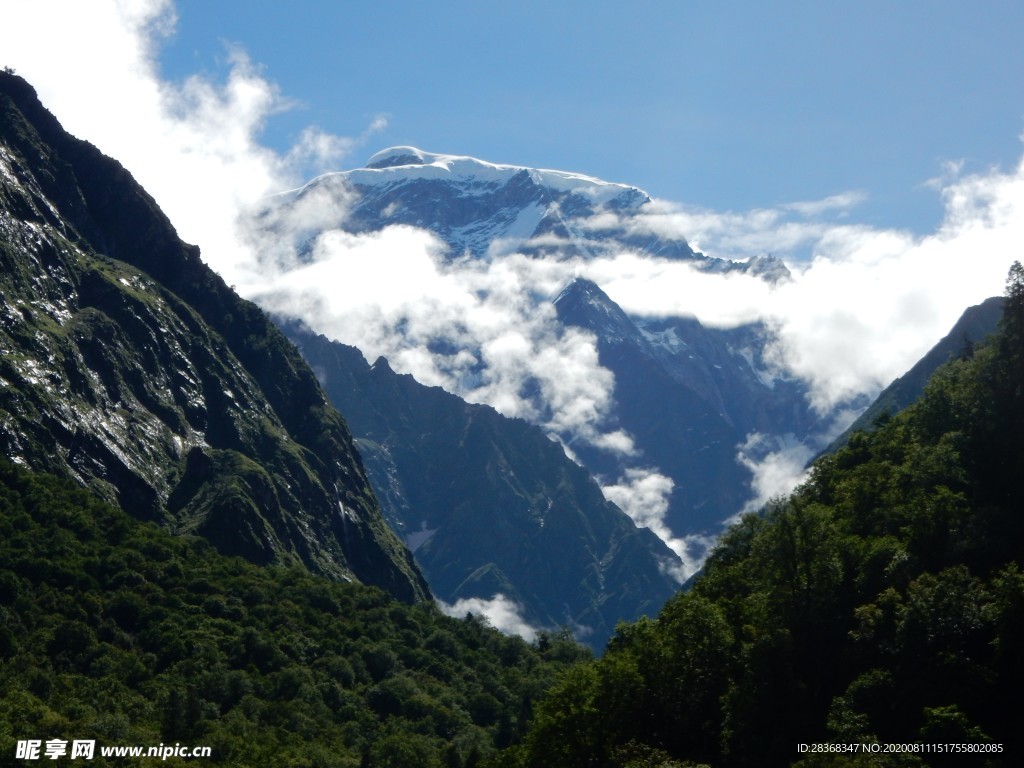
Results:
777 464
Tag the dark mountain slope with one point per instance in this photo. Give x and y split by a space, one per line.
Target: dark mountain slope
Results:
131 367
690 396
491 504
973 327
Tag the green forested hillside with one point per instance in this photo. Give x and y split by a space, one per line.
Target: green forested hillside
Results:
882 602
113 630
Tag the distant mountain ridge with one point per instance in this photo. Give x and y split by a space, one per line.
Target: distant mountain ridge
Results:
483 211
131 367
702 407
480 208
491 505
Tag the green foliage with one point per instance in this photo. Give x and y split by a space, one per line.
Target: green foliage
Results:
112 629
882 602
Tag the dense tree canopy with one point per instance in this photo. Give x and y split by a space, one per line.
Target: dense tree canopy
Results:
882 602
114 630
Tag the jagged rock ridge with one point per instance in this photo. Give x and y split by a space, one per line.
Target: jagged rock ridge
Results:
689 396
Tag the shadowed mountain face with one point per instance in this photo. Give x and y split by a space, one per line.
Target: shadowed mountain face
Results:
128 365
691 397
491 505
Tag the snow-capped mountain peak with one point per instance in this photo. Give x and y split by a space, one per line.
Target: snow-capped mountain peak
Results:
475 206
415 163
397 156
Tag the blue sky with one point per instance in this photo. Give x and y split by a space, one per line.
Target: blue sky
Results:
727 105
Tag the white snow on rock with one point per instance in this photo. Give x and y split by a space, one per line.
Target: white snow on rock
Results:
401 163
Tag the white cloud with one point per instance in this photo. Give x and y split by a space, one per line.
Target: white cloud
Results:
657 287
316 149
195 145
502 613
842 203
643 494
474 327
775 472
732 235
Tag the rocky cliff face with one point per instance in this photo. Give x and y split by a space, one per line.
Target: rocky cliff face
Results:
689 396
491 505
128 365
